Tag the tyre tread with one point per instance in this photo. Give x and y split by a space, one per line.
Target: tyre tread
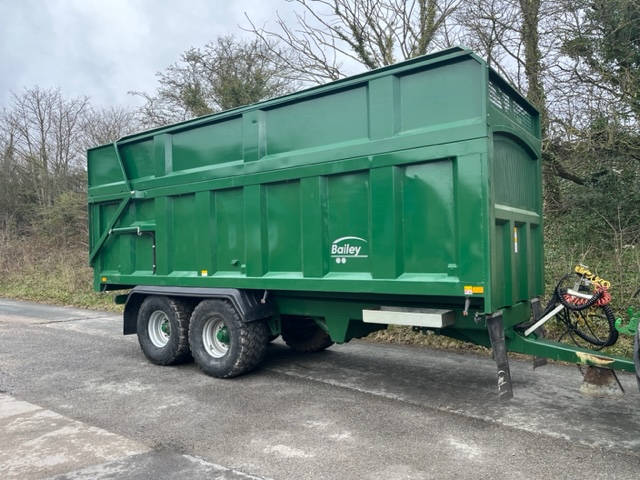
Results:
181 312
183 317
319 340
252 341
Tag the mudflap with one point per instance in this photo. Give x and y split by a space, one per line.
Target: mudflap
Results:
636 356
495 326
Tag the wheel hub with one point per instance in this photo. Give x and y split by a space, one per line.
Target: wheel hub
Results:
159 329
223 335
216 337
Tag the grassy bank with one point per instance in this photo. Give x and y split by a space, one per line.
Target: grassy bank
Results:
55 274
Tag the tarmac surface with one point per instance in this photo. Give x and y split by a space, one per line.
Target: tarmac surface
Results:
79 401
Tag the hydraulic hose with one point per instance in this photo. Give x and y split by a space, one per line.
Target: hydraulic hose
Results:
600 298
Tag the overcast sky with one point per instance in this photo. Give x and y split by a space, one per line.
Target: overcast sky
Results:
106 48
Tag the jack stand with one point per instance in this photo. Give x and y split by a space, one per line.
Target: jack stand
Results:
495 326
536 311
601 383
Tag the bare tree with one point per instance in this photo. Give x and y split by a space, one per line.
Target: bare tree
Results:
10 181
107 124
514 36
328 34
226 73
45 129
490 27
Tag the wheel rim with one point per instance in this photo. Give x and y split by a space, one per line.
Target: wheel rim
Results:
159 328
215 337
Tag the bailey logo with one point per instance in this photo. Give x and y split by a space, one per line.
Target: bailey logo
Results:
348 247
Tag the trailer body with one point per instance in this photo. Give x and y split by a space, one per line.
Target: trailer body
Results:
410 194
416 180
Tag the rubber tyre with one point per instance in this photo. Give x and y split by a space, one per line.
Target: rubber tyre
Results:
158 346
303 335
243 350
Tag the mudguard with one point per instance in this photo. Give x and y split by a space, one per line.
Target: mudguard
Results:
251 305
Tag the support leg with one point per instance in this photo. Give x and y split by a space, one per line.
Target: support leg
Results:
601 383
536 312
495 327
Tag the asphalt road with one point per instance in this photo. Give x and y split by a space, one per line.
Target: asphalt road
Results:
79 401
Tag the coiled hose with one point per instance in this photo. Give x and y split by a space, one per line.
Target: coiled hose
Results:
596 329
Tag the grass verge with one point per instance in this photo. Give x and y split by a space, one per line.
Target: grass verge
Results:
50 274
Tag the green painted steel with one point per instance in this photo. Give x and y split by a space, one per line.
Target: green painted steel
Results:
417 184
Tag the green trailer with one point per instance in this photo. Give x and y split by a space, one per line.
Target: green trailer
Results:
407 195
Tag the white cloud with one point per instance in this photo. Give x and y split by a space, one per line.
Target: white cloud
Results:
105 48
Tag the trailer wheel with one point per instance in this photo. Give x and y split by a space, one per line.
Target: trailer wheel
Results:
304 335
222 344
163 327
